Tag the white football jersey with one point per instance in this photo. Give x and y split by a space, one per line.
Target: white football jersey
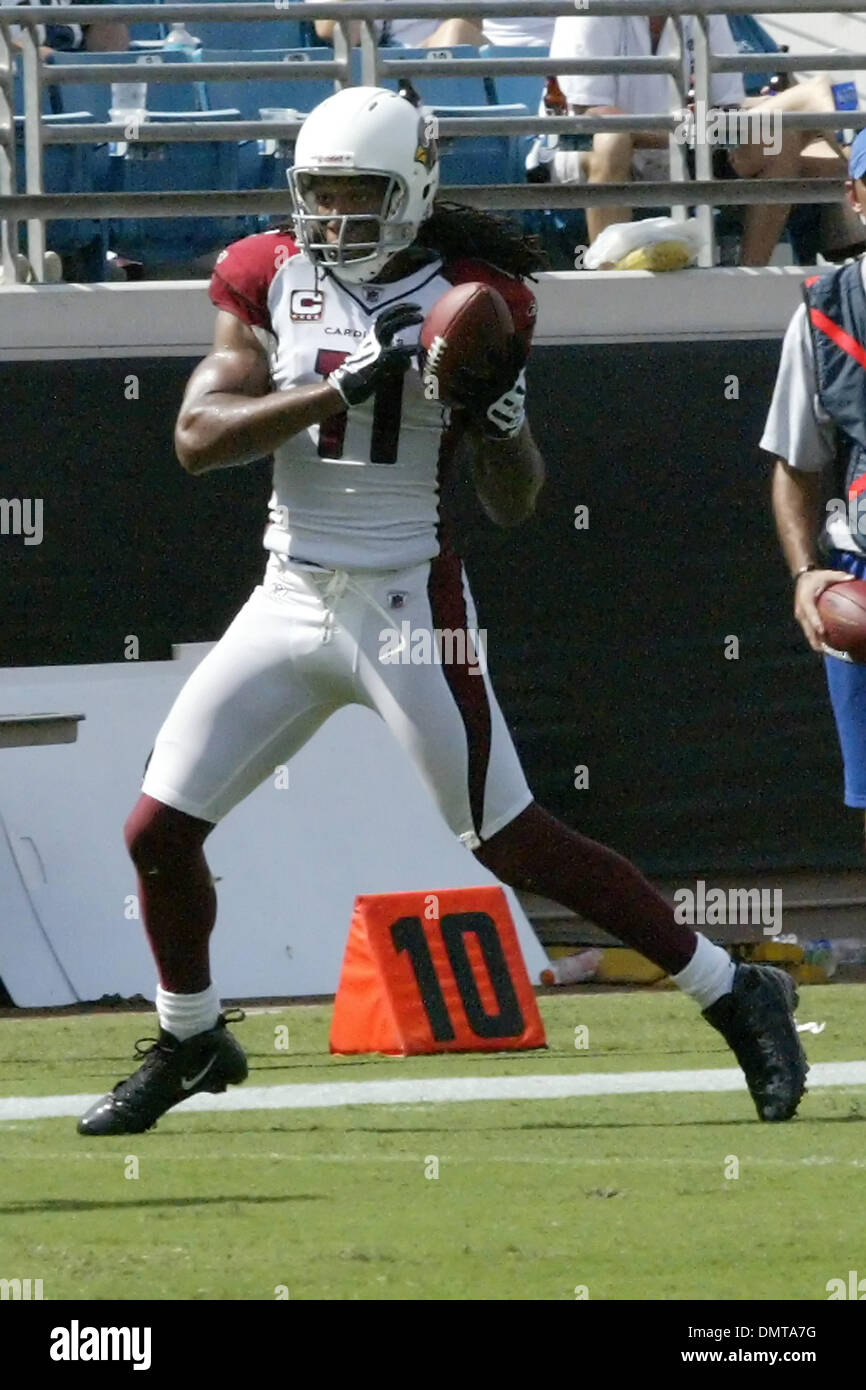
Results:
362 489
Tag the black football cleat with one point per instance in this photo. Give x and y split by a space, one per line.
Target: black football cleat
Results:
757 1022
171 1072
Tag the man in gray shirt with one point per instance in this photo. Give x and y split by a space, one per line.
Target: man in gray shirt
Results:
816 428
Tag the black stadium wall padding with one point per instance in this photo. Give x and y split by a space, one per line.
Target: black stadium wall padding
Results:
607 645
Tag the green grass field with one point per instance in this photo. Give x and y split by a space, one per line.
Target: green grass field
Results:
625 1195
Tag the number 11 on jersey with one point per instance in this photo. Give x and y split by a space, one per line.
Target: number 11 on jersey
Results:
387 409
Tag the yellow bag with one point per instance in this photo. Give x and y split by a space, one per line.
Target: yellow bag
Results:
659 255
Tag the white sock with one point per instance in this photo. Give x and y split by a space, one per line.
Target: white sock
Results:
708 975
184 1015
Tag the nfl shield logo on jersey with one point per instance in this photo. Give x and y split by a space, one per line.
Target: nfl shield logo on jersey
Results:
306 306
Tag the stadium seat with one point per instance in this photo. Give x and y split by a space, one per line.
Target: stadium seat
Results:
478 159
147 37
235 33
96 96
435 90
49 105
509 87
248 95
191 168
257 170
81 242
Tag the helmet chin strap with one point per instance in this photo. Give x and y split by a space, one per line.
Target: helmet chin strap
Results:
365 273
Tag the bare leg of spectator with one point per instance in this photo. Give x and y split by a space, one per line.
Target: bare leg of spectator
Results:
609 161
454 32
814 95
765 223
801 156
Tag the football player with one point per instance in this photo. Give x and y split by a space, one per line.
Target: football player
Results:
314 361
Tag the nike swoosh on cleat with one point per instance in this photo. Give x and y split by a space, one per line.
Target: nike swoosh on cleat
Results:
193 1081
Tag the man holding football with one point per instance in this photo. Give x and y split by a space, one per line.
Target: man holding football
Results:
815 432
314 361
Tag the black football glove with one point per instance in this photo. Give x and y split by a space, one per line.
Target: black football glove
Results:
493 395
357 378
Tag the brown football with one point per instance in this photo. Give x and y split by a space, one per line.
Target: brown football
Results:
469 326
843 613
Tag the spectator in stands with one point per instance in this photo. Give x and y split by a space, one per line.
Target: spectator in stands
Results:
814 431
616 158
536 32
107 36
413 33
804 154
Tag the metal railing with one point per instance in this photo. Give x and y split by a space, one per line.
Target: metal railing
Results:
702 192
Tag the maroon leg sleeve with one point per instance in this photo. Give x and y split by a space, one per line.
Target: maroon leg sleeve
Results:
176 894
538 854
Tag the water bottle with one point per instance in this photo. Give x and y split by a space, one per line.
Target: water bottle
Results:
128 100
129 108
821 953
845 98
181 39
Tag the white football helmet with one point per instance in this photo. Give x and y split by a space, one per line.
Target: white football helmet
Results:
365 131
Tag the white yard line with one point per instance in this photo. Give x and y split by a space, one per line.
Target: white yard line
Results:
99 1153
445 1089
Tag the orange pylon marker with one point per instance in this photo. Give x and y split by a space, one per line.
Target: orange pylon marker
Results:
434 972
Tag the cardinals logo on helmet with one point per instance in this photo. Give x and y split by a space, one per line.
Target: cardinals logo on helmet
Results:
427 152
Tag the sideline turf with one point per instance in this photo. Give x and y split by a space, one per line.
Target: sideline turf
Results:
626 1195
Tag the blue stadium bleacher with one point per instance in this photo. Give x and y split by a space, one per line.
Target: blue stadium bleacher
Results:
69 169
48 102
507 88
96 96
260 169
477 159
436 90
238 33
248 95
146 167
147 37
190 167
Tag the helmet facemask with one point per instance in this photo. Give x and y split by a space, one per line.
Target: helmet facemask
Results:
365 241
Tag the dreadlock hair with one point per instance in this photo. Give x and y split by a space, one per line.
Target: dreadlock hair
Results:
455 232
